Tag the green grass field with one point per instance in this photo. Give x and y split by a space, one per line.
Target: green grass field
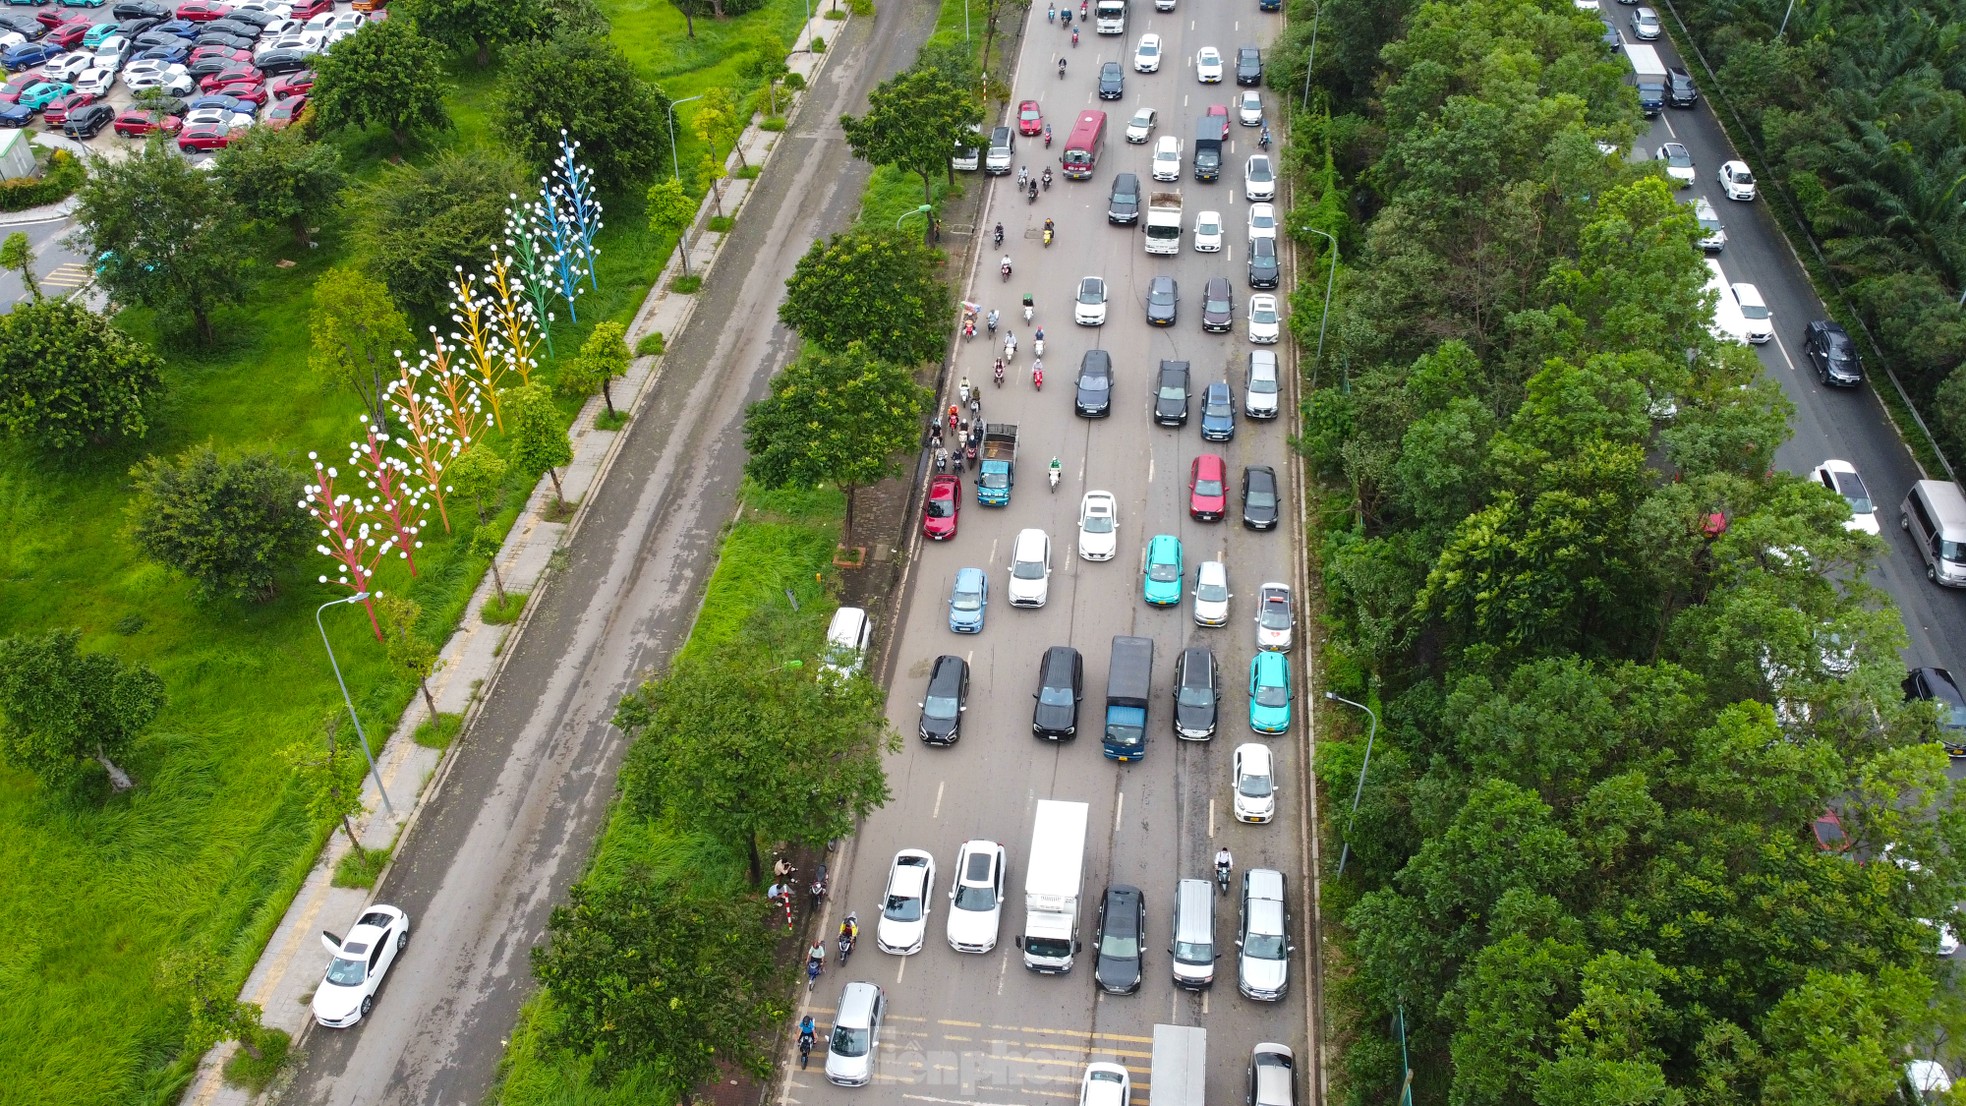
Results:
210 847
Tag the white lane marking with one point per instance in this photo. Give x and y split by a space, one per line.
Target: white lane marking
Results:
1119 809
1211 818
937 813
1786 359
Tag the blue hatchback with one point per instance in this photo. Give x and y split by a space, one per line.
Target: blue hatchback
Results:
1269 693
1161 586
968 600
26 55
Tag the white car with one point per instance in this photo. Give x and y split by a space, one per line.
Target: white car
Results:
1146 56
976 898
1255 783
1645 24
1208 65
1105 1085
143 67
1275 620
232 120
904 906
1259 178
68 66
1265 325
1679 163
307 42
1212 594
174 81
1208 232
278 8
1272 1075
1167 158
346 993
1099 523
1737 180
1141 127
12 38
328 23
1249 108
1757 321
1262 221
111 51
1841 477
1030 568
96 82
1090 307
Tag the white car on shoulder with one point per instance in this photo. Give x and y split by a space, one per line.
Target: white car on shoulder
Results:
1737 180
1208 232
976 897
1208 65
1099 514
1146 55
904 906
347 991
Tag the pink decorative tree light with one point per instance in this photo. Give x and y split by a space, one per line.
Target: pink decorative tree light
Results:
346 538
398 503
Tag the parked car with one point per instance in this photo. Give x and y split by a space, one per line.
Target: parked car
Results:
1265 324
1937 686
358 964
1249 65
58 109
204 138
138 122
1264 271
1736 180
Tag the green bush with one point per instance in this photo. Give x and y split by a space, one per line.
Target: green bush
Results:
653 344
749 172
772 123
818 45
256 1074
63 175
686 286
499 612
721 224
437 731
861 7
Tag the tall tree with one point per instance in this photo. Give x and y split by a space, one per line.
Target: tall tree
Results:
281 177
603 357
65 709
386 75
69 379
228 524
875 286
477 25
213 1012
329 776
743 749
477 473
834 417
670 211
913 121
421 223
719 121
167 235
585 86
356 333
539 437
17 255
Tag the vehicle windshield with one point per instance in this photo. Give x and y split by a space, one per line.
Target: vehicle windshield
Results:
1143 119
1211 593
1093 382
1208 227
343 972
1194 952
993 480
1263 946
1048 948
1255 787
969 897
1118 947
1276 615
1098 524
1163 572
1754 311
1740 175
1055 696
1160 297
1259 171
1679 159
1028 570
1219 408
1268 695
1263 386
1104 1077
968 600
941 707
1173 391
1196 695
1092 292
903 908
849 1042
1264 314
1208 487
1260 498
1149 49
1952 551
941 508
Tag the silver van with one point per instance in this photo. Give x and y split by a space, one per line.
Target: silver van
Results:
1934 514
1260 386
1003 150
1194 952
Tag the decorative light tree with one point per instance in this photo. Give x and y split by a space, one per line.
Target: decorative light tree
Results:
427 444
346 536
512 315
478 341
455 391
398 502
556 226
533 261
573 183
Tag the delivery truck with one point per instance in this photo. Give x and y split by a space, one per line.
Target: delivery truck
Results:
1054 877
1180 1066
1164 222
996 464
1129 683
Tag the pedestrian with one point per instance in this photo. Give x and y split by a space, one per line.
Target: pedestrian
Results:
774 891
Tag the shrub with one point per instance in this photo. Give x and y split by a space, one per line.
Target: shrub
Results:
653 344
62 176
772 123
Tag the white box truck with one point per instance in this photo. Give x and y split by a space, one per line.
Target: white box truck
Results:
1648 75
1054 877
1180 1066
1164 222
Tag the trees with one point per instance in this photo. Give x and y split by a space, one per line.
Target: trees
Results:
539 441
17 254
356 333
719 9
875 286
719 121
670 211
388 75
166 234
211 1005
408 652
834 417
477 24
742 749
70 379
913 120
603 356
646 974
65 708
280 176
478 472
424 222
584 85
227 523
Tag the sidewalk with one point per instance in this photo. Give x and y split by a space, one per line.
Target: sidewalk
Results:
293 959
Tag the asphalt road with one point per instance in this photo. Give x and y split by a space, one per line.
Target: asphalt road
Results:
57 267
973 1028
513 824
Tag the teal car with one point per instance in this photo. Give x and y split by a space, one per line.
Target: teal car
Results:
81 3
41 95
99 32
1269 693
1162 572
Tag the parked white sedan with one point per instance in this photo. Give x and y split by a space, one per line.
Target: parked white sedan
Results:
347 991
1737 180
1259 178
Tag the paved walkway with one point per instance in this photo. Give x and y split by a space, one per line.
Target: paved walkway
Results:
293 960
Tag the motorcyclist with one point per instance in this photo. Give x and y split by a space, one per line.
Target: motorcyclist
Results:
1051 13
850 929
1009 346
1047 139
1065 16
1030 306
1046 178
1004 266
808 1032
1075 36
1057 470
1224 863
1061 67
993 318
816 955
999 372
1000 234
964 389
1037 371
1023 175
1033 186
1264 141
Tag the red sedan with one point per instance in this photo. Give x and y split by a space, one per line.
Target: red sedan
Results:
204 136
56 113
137 123
1208 493
291 84
202 11
945 502
222 53
231 74
10 91
68 36
305 10
51 17
1030 120
285 113
250 91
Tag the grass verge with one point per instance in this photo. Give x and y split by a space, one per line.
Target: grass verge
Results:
438 731
256 1073
503 611
359 867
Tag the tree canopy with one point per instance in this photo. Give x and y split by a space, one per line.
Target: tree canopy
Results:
228 524
914 121
385 75
477 25
875 286
65 710
70 379
584 85
281 177
423 222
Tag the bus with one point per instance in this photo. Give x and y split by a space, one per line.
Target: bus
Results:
1087 142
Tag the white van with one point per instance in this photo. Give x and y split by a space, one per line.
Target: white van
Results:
1194 952
847 637
1934 514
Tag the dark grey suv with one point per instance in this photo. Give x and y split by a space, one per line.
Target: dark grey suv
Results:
1171 394
1197 693
1094 399
1123 206
1249 65
1263 269
1218 306
1833 353
1061 682
1163 301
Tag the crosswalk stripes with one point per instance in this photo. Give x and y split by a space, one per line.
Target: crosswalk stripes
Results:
947 1061
66 276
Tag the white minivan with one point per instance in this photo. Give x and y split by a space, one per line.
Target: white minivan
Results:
847 637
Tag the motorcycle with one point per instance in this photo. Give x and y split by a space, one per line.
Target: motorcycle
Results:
1037 344
1046 178
1034 192
805 1047
999 372
1061 69
1075 37
847 938
1009 348
1056 472
969 327
818 887
1047 236
1264 140
991 321
815 967
1029 308
1222 878
1037 374
1004 269
1051 14
1047 139
999 235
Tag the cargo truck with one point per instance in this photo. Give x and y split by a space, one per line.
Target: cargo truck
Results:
1208 147
1053 884
1180 1064
1129 683
1109 17
996 464
1164 222
1648 75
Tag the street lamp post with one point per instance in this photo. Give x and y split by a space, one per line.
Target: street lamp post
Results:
355 598
676 166
1358 793
1326 317
1317 14
928 214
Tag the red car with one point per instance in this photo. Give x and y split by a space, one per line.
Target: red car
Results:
225 53
10 92
285 113
1829 833
945 502
291 84
305 10
202 11
51 17
1223 111
1030 120
232 74
250 91
139 122
204 136
1208 493
68 36
56 113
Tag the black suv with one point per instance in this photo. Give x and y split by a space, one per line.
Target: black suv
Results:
1124 205
1263 269
1171 394
1163 301
1218 306
946 700
1833 353
1680 92
1112 81
1936 685
1121 933
1249 65
132 9
88 120
1061 682
1197 692
1095 391
1259 497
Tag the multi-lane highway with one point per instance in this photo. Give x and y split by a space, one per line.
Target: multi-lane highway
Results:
981 1028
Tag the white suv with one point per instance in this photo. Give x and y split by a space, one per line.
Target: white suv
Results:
976 898
1030 569
1263 949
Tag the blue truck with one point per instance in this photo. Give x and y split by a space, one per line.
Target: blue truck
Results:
996 464
1129 683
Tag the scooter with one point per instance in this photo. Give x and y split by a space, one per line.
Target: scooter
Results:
1037 343
1030 307
1034 192
1047 236
1009 348
1004 269
969 327
1056 472
1061 69
1037 374
1047 136
991 321
999 372
999 235
1046 178
1264 139
805 1047
814 966
1222 878
1075 37
818 888
847 939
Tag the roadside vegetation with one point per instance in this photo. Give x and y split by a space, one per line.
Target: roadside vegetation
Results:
110 515
1647 819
